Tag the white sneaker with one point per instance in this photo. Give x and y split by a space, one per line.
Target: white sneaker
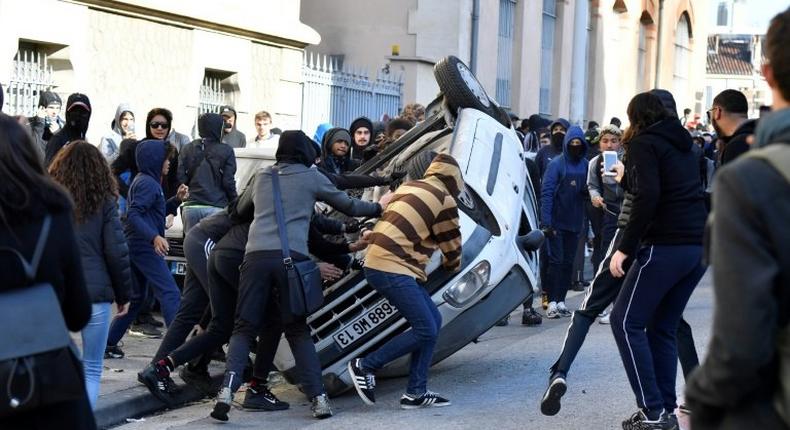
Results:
604 319
553 312
564 312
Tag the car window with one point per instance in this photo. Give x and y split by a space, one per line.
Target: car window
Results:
246 167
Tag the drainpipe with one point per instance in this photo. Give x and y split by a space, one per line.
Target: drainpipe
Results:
475 30
658 41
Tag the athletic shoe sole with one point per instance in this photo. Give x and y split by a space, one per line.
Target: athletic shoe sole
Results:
550 405
356 385
432 405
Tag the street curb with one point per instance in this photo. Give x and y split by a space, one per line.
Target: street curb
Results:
113 409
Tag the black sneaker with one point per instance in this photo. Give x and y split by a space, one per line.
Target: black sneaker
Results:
320 407
550 404
113 352
364 382
531 318
200 379
150 320
578 286
222 407
145 330
640 421
427 400
157 379
259 398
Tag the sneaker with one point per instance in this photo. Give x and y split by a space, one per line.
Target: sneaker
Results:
145 330
150 320
503 322
550 404
157 379
639 421
427 400
564 312
321 407
364 382
605 319
259 398
222 407
553 312
544 301
113 352
531 318
578 286
198 378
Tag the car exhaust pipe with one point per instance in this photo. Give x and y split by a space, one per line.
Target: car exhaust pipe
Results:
531 241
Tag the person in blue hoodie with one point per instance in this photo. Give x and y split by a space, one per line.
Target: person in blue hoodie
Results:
145 231
562 214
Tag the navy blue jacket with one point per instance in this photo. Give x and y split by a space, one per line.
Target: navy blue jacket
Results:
564 188
145 218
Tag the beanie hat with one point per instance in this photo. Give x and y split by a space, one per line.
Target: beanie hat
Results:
46 98
361 122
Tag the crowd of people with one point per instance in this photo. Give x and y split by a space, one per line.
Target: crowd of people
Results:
641 196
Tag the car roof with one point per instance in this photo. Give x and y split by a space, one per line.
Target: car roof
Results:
262 153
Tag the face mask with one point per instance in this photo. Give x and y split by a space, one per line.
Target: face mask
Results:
78 120
556 140
576 152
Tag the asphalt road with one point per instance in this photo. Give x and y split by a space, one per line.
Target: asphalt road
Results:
495 383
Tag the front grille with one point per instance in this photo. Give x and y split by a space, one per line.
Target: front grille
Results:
176 247
342 309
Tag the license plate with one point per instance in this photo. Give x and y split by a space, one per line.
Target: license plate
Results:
366 322
178 268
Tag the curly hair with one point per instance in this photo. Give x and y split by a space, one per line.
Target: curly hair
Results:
82 169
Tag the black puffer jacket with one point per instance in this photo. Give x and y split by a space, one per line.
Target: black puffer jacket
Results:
662 173
105 256
207 166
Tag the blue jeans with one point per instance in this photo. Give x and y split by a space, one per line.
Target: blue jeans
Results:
414 303
191 215
94 339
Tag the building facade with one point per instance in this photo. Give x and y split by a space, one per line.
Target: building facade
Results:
187 56
579 59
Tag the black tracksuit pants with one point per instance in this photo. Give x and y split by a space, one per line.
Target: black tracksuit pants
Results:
603 290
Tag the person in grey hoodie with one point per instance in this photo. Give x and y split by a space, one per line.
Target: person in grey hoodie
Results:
122 128
263 270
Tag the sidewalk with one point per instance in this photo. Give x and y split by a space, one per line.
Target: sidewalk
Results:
122 397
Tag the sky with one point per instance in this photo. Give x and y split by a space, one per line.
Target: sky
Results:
763 10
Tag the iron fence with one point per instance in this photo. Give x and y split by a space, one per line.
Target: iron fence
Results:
30 76
338 95
212 96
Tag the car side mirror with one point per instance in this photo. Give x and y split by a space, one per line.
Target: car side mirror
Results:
531 241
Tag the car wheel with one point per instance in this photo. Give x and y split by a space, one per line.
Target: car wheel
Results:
461 88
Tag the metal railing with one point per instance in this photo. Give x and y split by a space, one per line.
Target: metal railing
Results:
335 94
212 96
30 76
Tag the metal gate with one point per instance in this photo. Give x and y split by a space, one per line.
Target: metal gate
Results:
30 76
338 95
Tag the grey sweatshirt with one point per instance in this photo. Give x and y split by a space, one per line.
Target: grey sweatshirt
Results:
300 187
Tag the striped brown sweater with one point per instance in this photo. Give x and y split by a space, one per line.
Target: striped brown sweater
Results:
421 216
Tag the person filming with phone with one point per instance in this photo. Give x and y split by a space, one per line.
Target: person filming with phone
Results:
606 193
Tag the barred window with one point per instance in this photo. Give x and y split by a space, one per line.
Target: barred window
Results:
31 75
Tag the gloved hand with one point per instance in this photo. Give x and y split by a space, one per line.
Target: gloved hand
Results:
351 226
548 231
397 175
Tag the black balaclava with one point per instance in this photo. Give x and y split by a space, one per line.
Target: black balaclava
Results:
295 147
557 139
576 152
78 115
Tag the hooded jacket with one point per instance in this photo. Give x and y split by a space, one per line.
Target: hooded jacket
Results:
421 217
76 127
300 187
234 138
663 175
548 152
207 166
564 188
366 152
145 218
110 144
331 163
169 183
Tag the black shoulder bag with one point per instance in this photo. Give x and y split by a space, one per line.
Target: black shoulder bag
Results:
37 363
304 279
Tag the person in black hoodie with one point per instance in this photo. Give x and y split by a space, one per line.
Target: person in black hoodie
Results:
233 137
664 236
82 169
361 131
78 115
25 203
208 168
729 117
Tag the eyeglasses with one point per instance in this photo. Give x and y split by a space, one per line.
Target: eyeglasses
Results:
707 112
158 125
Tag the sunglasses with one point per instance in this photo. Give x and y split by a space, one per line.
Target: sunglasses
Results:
159 125
708 112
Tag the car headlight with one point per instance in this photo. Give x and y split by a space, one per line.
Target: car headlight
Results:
469 286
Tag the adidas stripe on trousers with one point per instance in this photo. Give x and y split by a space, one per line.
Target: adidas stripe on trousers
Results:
646 315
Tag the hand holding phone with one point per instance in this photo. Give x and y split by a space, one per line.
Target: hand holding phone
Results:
609 160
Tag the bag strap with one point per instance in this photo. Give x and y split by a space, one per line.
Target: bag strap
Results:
278 212
31 267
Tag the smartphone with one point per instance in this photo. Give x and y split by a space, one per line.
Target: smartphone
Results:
609 160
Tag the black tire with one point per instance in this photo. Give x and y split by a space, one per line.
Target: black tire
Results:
461 88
